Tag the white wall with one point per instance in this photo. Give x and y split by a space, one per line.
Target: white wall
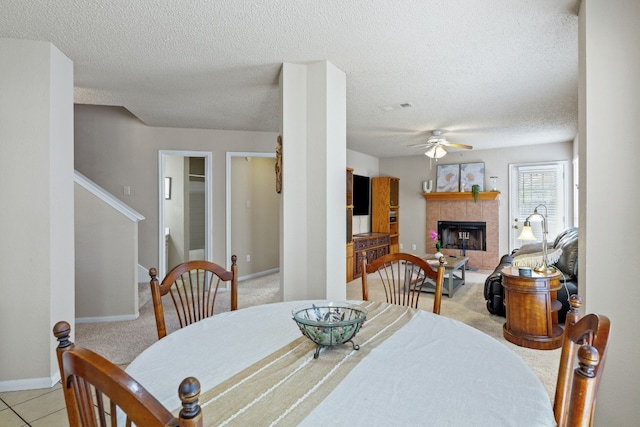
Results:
106 261
609 152
36 183
365 165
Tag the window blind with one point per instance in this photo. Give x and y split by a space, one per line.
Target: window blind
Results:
539 184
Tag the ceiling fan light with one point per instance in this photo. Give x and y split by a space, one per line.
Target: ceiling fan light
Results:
436 139
435 152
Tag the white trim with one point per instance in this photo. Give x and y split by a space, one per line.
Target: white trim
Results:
30 383
106 197
108 318
208 183
231 154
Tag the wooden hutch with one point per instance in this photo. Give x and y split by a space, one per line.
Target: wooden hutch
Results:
385 209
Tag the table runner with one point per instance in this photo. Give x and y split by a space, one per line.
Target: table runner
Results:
284 387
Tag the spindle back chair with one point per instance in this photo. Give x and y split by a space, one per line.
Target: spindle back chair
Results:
403 276
193 287
582 359
95 390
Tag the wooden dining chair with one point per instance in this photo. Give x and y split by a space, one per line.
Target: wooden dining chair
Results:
193 286
94 389
584 350
403 275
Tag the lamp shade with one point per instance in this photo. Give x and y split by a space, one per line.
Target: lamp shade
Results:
527 233
435 152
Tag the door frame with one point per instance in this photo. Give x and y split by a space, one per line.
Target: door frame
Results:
208 183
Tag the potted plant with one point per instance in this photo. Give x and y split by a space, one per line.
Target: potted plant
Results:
434 237
475 190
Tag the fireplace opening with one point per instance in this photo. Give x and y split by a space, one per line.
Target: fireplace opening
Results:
463 235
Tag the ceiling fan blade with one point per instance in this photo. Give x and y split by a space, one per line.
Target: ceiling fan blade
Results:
424 144
453 144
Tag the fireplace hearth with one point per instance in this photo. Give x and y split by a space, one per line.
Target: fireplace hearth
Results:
463 235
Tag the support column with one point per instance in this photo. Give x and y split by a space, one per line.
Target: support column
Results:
37 227
609 107
313 218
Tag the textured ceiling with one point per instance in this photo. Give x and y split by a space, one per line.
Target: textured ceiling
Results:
490 73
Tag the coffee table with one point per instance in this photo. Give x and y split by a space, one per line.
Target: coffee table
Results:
451 281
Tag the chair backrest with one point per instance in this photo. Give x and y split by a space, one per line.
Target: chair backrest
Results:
584 350
193 286
95 389
403 275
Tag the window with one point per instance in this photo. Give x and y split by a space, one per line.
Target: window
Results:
534 184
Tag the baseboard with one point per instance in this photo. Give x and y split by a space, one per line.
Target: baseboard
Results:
30 383
260 274
107 318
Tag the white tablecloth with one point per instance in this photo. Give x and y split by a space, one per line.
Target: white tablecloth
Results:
434 371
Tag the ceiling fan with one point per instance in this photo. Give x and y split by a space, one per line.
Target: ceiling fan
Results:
436 144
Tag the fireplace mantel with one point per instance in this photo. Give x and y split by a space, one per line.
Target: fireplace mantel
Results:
466 195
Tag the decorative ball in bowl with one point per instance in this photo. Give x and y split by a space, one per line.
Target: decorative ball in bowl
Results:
330 323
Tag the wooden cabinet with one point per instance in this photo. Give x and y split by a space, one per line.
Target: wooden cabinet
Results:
350 260
385 209
532 309
374 244
349 224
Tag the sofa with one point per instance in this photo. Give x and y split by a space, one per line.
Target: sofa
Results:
567 264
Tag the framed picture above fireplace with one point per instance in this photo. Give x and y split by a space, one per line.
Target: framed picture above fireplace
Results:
471 174
448 178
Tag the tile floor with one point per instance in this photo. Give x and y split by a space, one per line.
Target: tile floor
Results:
37 408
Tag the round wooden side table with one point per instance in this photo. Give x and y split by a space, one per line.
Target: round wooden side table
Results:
532 309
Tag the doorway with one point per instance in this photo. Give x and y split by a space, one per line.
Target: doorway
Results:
185 224
252 213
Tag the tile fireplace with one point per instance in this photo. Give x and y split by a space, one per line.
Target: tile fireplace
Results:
480 219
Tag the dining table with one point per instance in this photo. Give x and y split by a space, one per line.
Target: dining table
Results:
411 368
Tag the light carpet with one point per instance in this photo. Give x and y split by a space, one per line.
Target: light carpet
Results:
121 342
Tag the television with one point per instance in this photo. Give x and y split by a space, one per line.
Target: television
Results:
361 193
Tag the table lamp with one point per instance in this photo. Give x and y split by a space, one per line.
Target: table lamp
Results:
527 234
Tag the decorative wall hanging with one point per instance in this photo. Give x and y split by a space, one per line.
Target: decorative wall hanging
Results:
448 178
471 174
279 165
